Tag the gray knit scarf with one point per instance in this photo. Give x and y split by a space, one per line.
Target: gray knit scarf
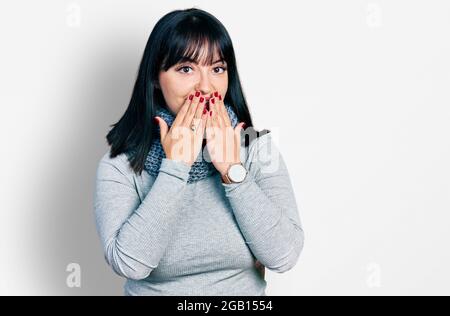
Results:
200 169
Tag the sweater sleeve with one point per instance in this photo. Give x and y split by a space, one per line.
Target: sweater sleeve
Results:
135 234
265 209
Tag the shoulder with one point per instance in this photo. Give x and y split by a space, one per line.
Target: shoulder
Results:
250 136
120 160
263 156
261 148
117 166
255 141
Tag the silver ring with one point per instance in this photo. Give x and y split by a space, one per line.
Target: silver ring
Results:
193 126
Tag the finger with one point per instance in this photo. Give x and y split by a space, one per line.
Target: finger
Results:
226 132
240 126
202 120
210 103
215 102
214 118
237 133
209 127
187 121
200 111
184 109
219 141
217 116
223 110
163 128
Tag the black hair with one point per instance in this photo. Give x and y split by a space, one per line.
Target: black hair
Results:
177 36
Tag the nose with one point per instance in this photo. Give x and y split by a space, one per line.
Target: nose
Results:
205 86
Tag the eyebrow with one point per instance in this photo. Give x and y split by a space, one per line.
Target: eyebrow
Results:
185 59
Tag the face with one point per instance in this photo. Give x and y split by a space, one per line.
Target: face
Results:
182 79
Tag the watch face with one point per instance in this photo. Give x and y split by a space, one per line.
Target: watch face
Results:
237 173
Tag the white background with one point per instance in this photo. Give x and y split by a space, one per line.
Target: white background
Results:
358 90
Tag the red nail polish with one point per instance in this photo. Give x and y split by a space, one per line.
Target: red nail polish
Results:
244 125
204 111
191 97
220 97
213 101
210 113
197 94
202 99
216 94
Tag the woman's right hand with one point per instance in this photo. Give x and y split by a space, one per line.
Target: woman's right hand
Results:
180 142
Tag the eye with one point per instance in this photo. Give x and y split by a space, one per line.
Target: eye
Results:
223 69
183 67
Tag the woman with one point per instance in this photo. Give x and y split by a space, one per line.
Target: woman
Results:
184 203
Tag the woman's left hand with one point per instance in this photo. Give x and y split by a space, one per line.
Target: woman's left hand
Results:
222 140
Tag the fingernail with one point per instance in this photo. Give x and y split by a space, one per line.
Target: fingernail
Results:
204 111
191 97
210 113
202 99
244 125
155 120
220 97
213 101
216 94
197 94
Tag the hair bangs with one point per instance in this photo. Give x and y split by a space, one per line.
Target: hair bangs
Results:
194 45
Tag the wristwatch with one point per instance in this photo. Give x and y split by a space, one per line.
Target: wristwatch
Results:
236 173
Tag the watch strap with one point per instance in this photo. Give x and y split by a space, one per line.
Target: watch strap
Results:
226 179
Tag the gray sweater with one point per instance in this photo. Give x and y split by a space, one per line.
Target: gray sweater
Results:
168 237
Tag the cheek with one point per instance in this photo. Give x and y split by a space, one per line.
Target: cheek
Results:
224 86
180 90
171 84
171 91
